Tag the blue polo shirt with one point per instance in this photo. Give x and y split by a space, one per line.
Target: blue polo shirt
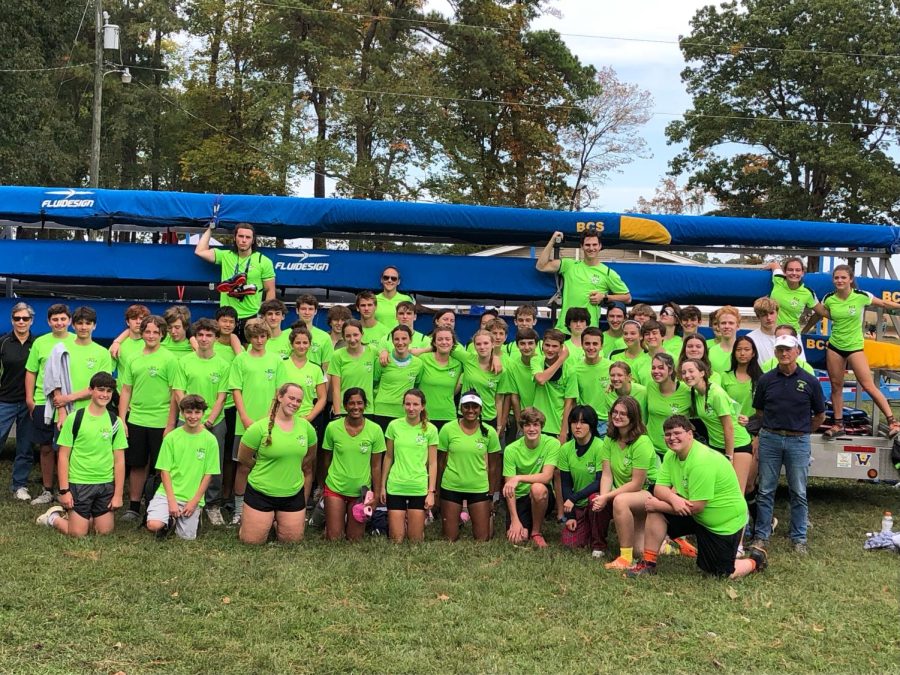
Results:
790 401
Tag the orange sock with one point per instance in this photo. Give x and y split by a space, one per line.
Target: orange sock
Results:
650 557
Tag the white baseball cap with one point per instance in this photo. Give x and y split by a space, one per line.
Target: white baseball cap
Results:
470 398
788 341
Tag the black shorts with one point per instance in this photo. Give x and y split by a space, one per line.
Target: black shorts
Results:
262 502
744 448
715 552
843 353
41 433
91 501
460 497
439 424
405 503
523 510
381 420
143 446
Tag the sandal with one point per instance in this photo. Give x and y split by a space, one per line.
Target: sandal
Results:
834 431
538 540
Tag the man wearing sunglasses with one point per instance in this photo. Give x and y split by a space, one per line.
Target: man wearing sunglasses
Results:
14 349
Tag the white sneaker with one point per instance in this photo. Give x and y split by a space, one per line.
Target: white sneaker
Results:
598 554
23 495
44 518
236 519
214 514
44 498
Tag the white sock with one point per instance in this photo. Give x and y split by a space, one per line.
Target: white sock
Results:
238 504
52 518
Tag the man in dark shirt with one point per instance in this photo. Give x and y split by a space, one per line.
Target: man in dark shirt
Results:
791 403
14 349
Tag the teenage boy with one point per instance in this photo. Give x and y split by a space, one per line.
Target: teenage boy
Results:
336 317
130 343
373 332
228 346
766 310
86 359
15 347
517 382
697 492
205 374
690 318
524 317
188 460
321 347
406 316
248 277
652 339
612 337
58 318
253 380
91 465
145 400
273 313
592 375
576 321
178 318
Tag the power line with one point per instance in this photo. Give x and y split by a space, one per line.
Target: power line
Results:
45 69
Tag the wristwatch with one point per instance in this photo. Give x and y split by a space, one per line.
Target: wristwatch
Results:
64 491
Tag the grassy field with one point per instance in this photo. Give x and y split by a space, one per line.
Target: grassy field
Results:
132 604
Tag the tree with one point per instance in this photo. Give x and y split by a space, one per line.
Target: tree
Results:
608 137
810 89
671 198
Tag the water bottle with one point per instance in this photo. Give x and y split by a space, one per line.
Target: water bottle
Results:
887 523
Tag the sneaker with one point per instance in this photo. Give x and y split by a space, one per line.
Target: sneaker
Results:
44 498
44 518
214 515
463 517
22 494
236 519
243 291
800 548
538 540
131 516
166 530
688 550
598 554
741 552
229 285
760 557
618 564
641 569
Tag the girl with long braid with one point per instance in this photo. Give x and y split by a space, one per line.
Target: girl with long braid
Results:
409 474
280 453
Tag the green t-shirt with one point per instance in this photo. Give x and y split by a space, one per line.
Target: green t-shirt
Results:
438 383
258 269
408 476
351 461
593 381
550 397
467 457
374 335
623 461
772 363
583 469
847 318
719 359
612 343
188 458
278 471
740 392
355 371
660 408
205 377
638 393
227 353
717 405
418 341
513 352
579 279
393 381
37 358
520 460
91 461
486 383
128 349
320 348
386 308
791 302
257 379
673 346
280 345
519 379
640 366
309 377
85 361
151 377
707 476
179 349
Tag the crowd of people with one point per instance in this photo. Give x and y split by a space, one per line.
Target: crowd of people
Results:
617 415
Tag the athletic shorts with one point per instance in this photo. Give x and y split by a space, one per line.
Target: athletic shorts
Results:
328 492
744 448
843 353
262 502
234 447
439 424
42 433
715 552
460 497
143 446
523 509
91 501
185 527
405 503
382 421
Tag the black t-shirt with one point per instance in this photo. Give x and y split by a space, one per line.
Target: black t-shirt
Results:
788 402
13 355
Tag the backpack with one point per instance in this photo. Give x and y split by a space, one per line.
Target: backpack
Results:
79 416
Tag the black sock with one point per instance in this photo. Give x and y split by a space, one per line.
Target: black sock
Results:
135 506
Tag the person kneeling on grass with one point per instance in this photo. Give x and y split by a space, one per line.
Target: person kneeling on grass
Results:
91 466
528 466
279 452
188 459
697 492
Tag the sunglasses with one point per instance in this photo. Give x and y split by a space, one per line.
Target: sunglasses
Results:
388 277
21 318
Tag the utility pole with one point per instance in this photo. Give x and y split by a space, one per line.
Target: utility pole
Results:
98 95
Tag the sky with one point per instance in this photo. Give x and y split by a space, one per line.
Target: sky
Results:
585 26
